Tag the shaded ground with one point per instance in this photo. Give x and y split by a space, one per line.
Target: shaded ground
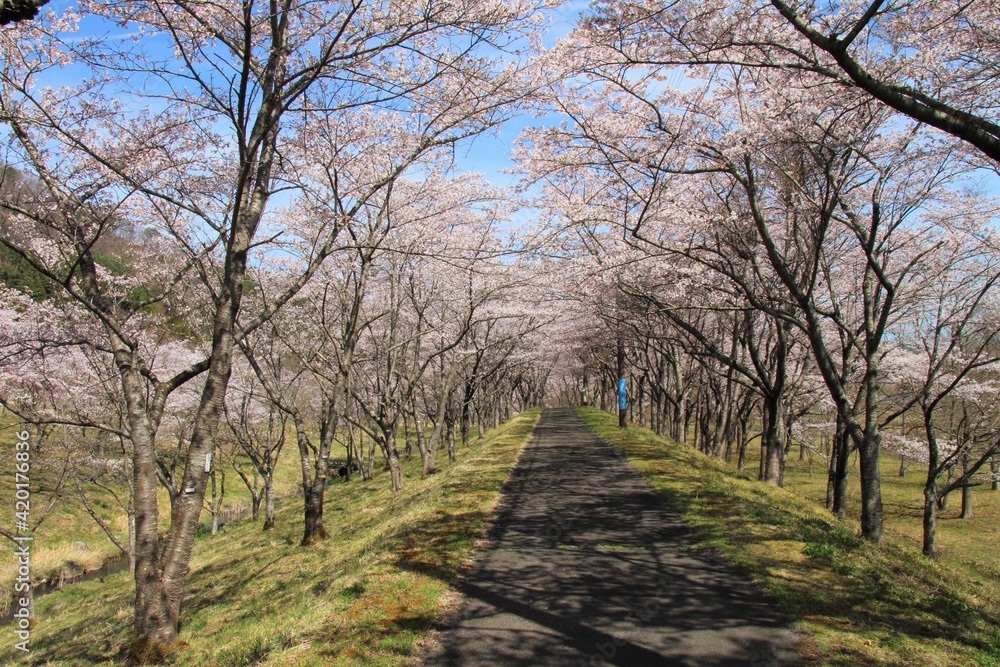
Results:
589 566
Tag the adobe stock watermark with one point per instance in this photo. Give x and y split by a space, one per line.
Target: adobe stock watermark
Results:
764 656
637 616
555 528
22 511
642 614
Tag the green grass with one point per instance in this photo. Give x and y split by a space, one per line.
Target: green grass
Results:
369 595
970 544
856 604
68 522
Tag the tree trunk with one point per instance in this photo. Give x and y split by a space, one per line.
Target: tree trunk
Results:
831 471
842 446
640 403
131 543
369 467
466 416
313 486
160 579
429 456
155 627
943 497
216 504
407 437
678 426
426 455
871 492
772 441
450 434
350 453
255 500
967 512
314 530
721 426
392 457
269 502
930 516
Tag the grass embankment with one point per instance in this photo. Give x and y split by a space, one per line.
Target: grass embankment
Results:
68 527
968 543
366 596
858 604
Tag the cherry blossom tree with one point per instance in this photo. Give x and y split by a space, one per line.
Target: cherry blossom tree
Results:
423 307
819 191
259 431
945 359
934 62
193 138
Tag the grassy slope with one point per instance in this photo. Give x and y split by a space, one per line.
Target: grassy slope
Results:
68 522
366 596
858 604
970 544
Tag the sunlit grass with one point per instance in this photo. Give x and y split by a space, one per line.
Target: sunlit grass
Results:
68 523
970 543
54 553
857 604
369 595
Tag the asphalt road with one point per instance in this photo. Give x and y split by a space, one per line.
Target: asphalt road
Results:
588 565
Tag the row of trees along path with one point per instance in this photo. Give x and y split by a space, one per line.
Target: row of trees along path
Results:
244 229
588 565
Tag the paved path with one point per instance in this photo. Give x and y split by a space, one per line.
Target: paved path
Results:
588 566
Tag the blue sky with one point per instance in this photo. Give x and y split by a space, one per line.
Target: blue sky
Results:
488 154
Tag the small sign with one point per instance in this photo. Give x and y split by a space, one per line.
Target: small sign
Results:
622 396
